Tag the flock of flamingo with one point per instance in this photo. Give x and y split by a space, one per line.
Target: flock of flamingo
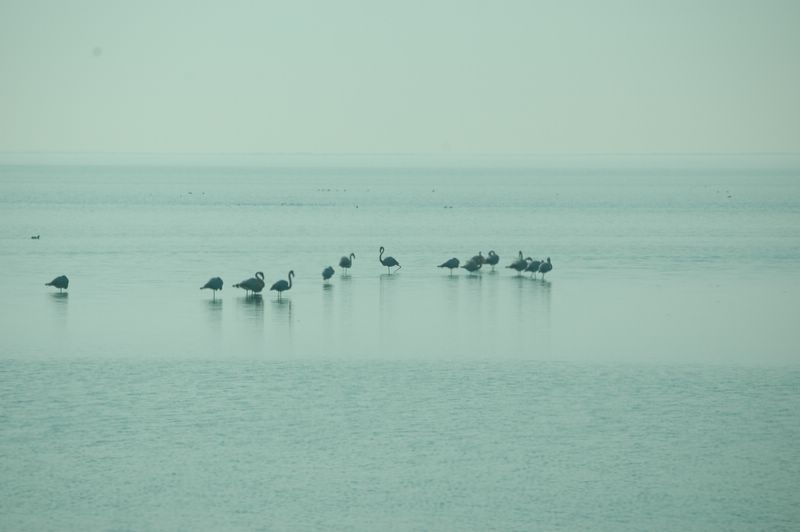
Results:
255 284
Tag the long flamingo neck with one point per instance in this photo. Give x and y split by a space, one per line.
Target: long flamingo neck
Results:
291 274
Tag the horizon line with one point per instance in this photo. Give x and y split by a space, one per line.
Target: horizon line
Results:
76 153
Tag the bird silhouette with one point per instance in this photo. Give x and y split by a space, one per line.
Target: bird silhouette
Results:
282 285
61 282
520 264
492 259
451 263
327 273
347 262
533 267
479 258
472 266
388 261
545 267
213 284
253 284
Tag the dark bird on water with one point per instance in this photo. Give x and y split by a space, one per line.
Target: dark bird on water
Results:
61 282
388 261
533 267
520 264
213 284
282 285
253 284
472 266
347 262
545 267
327 273
479 258
451 263
492 259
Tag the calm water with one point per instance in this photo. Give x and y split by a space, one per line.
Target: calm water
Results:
651 381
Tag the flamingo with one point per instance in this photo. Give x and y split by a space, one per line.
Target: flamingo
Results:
253 284
452 264
472 266
492 259
479 258
533 267
61 282
282 285
347 262
327 273
388 261
214 284
520 264
545 267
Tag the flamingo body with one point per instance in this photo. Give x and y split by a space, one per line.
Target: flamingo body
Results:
451 264
213 284
283 285
533 266
520 264
389 262
347 262
472 266
545 267
61 282
492 259
253 284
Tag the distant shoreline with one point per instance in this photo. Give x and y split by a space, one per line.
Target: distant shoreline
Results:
576 160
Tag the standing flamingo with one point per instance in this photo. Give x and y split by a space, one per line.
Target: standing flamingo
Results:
327 273
492 259
61 282
479 258
545 267
472 265
253 284
533 267
451 263
388 262
214 284
520 264
347 262
282 285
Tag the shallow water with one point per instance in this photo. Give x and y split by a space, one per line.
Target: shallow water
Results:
649 382
245 445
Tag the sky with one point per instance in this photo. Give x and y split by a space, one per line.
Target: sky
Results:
377 77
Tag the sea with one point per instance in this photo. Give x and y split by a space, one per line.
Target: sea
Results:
650 381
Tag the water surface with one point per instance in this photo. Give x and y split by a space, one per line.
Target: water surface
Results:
650 381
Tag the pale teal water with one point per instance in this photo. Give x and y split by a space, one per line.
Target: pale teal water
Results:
651 382
244 445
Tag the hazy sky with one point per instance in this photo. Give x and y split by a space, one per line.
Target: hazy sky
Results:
372 76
